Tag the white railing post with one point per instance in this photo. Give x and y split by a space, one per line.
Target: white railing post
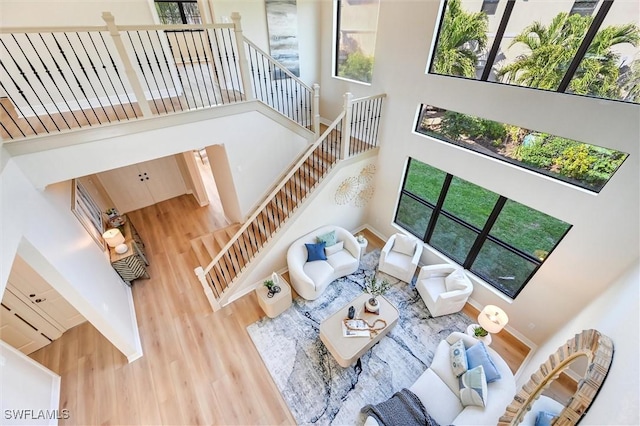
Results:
242 58
126 63
315 110
215 306
346 125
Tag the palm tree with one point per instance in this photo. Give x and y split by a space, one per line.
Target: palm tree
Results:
551 49
599 71
629 82
462 36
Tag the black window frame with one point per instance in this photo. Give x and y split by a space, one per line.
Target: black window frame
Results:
486 66
482 235
339 33
538 170
490 6
180 3
583 7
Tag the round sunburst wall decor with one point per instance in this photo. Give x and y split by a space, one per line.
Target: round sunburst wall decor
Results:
366 174
347 190
363 196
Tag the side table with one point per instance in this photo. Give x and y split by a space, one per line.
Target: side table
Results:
274 306
486 339
131 264
363 247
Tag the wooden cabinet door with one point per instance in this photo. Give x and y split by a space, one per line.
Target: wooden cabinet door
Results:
18 333
141 185
165 180
33 290
127 187
22 327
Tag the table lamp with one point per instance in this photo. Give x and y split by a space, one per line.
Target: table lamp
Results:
115 239
492 319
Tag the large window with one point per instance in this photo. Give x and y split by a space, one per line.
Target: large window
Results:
587 166
356 23
500 240
581 47
172 12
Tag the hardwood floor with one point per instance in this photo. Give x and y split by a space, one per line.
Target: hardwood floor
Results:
198 367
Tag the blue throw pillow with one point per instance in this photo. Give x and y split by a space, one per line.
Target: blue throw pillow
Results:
315 252
544 418
478 355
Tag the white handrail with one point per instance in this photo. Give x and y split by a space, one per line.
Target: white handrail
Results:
369 98
154 27
268 198
278 64
280 185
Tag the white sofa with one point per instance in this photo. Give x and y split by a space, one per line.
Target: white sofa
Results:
438 389
310 279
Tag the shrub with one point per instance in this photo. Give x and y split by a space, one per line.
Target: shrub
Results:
493 130
455 124
357 67
543 152
575 161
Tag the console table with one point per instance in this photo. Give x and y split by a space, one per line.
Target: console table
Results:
131 264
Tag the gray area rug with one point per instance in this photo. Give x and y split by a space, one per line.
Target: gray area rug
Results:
317 389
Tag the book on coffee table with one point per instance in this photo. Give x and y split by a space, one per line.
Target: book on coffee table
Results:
356 328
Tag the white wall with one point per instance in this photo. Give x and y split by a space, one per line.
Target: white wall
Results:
26 385
47 13
40 226
604 239
252 139
614 314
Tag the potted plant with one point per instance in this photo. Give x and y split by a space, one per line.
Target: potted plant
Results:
375 288
478 331
272 287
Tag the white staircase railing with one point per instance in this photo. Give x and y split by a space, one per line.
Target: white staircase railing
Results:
61 78
353 132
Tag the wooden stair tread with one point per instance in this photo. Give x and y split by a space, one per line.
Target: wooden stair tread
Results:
206 247
276 212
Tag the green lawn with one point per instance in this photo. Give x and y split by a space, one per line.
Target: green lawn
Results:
520 226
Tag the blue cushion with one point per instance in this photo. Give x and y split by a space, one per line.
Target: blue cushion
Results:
544 418
315 252
329 238
478 355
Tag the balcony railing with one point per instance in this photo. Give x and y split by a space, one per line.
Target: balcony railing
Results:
58 79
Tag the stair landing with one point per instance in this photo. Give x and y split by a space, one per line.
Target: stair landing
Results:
207 246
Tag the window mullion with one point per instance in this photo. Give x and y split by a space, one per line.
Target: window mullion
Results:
438 208
477 245
584 46
498 40
183 15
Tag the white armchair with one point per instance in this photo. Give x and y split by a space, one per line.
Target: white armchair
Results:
444 288
400 256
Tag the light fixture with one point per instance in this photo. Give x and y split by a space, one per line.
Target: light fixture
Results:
492 319
115 239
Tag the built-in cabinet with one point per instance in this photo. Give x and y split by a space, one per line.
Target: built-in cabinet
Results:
33 313
143 184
